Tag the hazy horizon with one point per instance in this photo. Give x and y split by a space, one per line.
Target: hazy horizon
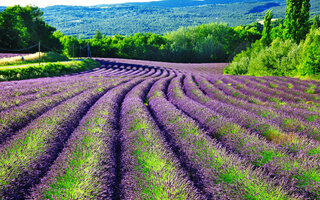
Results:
41 3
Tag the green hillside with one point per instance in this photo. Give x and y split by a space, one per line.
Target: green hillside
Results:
159 17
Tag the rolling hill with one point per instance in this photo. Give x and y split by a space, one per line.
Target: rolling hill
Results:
160 16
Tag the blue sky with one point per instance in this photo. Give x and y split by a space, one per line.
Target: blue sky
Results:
44 3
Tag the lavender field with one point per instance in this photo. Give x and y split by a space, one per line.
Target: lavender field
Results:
149 130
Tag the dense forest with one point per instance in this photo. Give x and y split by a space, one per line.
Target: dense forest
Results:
22 27
160 17
205 43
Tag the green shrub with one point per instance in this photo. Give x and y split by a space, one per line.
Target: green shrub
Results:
239 67
54 57
209 42
281 58
310 54
274 60
240 63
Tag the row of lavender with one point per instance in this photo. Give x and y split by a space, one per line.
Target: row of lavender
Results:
139 132
88 167
21 102
35 129
244 133
284 147
15 94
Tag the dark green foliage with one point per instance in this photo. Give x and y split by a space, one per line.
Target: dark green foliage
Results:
209 42
13 33
54 57
139 46
21 27
284 57
277 32
266 33
70 45
245 36
277 28
274 60
98 35
296 24
206 43
265 61
312 61
316 22
147 46
310 54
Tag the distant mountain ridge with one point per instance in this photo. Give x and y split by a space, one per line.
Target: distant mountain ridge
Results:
184 3
160 16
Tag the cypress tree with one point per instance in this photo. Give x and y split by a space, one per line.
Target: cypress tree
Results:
316 22
296 23
266 32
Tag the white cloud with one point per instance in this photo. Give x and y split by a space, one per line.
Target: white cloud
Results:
44 3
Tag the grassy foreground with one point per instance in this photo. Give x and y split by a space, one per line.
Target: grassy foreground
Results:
46 70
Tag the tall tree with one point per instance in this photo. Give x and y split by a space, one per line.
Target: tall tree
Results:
98 35
13 33
266 32
24 26
316 22
296 24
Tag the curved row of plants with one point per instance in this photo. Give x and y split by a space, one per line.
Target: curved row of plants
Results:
127 131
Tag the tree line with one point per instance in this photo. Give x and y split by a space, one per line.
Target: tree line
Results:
21 27
206 43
